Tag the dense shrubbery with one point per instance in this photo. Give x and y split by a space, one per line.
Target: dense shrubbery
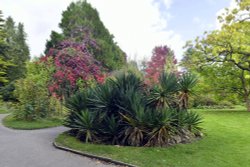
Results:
34 101
53 78
208 102
124 111
75 67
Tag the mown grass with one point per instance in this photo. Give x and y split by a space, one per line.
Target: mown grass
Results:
225 144
11 122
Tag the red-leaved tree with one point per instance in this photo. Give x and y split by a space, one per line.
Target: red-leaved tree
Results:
75 67
162 59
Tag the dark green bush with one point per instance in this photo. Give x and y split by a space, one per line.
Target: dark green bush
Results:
123 112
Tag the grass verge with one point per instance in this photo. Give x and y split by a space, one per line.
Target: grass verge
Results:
11 122
226 143
4 110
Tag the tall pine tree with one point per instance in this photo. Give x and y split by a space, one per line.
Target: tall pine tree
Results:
17 53
4 64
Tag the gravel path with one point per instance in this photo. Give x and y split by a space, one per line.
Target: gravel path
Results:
33 148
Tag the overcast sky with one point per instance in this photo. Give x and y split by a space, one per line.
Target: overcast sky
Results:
138 25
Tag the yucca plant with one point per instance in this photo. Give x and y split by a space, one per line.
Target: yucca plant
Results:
133 131
78 102
126 81
111 96
121 111
104 99
192 121
86 124
162 128
111 128
164 95
135 118
186 84
181 119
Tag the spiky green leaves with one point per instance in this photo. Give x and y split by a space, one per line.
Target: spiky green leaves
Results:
117 112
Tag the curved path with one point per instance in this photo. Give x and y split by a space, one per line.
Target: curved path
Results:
23 148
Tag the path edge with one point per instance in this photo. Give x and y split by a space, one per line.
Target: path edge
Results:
104 159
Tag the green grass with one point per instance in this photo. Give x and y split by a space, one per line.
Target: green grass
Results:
226 144
4 110
11 122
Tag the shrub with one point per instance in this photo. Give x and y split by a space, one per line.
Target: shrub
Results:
205 102
34 100
118 112
85 123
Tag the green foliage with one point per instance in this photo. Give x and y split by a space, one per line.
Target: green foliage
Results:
117 113
225 144
192 121
77 102
4 63
221 57
86 123
81 18
186 84
3 70
164 95
111 127
162 129
33 100
16 53
32 93
55 39
104 99
172 90
132 67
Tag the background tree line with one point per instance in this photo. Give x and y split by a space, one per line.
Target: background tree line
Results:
222 57
14 54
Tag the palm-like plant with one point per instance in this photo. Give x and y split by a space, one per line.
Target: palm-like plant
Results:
111 129
104 99
162 128
78 102
111 96
126 81
192 121
85 123
132 134
121 112
135 118
186 83
165 94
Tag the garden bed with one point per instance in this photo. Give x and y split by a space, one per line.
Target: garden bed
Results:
225 144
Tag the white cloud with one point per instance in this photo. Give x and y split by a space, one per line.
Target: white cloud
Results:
39 18
138 25
167 3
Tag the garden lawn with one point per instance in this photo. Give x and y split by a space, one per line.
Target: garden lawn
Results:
4 110
10 122
226 144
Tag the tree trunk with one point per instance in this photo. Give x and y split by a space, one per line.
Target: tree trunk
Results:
247 103
246 90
